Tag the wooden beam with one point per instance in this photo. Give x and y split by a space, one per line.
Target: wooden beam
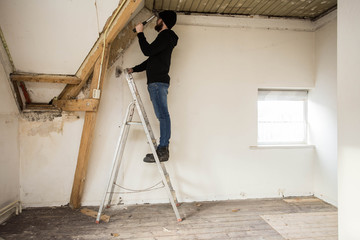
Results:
87 136
71 91
82 162
121 20
25 92
87 66
41 107
45 78
92 213
77 105
17 95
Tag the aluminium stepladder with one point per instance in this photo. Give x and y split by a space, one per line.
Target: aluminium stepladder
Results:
116 163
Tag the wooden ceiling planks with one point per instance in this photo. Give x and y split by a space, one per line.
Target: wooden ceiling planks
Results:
303 9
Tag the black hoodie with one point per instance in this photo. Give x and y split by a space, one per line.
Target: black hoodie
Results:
157 66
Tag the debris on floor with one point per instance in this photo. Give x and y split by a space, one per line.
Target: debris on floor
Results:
92 213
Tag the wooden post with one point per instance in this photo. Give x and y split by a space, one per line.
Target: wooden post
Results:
71 91
87 137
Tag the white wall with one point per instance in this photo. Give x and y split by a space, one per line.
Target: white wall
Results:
348 119
323 114
215 75
9 147
48 155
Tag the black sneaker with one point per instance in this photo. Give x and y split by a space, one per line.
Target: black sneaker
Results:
162 152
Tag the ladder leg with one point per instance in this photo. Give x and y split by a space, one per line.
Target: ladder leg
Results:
152 142
150 137
124 134
124 129
141 110
167 176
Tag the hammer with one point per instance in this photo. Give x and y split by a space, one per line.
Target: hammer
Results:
145 22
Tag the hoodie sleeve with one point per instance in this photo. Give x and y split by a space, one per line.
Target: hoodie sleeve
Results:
141 67
158 45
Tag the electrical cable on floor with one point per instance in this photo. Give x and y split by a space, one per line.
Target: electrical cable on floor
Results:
139 190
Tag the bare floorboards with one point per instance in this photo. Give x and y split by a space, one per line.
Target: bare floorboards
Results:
260 219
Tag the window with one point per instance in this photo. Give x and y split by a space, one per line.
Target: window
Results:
282 117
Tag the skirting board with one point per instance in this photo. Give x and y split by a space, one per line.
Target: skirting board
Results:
9 210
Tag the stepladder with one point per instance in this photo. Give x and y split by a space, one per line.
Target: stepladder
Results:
135 105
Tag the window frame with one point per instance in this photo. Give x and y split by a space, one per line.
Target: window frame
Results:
305 114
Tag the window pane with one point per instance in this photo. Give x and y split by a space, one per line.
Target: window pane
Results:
281 111
281 121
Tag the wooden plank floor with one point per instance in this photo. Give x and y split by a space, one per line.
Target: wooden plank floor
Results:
259 219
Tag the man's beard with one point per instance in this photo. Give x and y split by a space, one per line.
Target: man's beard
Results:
159 26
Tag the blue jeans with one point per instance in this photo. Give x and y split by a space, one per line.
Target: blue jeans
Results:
158 94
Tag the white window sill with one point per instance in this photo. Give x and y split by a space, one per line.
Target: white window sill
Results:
290 146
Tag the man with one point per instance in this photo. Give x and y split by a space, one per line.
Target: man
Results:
157 68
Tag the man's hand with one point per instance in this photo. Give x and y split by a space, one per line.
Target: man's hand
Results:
130 70
139 28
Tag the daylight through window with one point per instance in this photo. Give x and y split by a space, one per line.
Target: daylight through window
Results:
282 117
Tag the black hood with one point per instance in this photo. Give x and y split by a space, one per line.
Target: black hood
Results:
173 38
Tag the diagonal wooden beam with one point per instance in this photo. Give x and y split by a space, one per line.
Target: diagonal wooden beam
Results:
87 66
87 136
25 92
45 78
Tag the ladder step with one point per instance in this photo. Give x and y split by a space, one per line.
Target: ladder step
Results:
133 123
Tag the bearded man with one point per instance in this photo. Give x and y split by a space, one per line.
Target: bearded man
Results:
157 68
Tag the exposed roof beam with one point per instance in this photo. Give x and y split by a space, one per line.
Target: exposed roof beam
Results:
77 105
45 78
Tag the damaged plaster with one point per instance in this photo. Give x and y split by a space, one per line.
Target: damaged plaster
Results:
42 124
127 36
40 116
43 129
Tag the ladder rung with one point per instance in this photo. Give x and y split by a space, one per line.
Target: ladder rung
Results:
133 123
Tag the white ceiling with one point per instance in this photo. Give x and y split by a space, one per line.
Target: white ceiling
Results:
52 36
